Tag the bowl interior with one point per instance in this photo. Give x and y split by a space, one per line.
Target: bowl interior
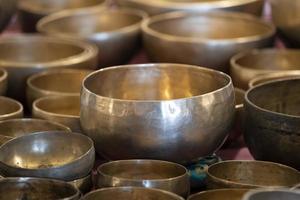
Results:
255 173
280 97
209 26
275 195
44 150
271 60
142 170
155 82
2 73
8 106
93 22
224 194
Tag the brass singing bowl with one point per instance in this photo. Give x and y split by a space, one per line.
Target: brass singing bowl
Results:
248 65
286 16
158 174
274 76
131 193
61 109
272 195
50 154
31 11
10 108
155 7
8 9
61 82
84 184
115 32
251 174
25 55
13 128
3 82
224 194
36 188
158 111
204 39
272 122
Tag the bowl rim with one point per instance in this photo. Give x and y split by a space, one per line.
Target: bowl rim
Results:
89 51
217 190
252 104
19 111
3 76
49 133
282 166
228 85
199 40
137 162
88 12
268 190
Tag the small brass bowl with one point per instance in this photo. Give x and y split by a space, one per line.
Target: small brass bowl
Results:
221 194
84 184
3 82
131 193
251 174
51 154
145 173
10 108
272 195
13 128
61 109
61 82
36 188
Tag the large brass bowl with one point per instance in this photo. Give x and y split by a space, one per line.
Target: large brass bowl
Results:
157 111
24 55
220 194
155 7
10 108
3 82
205 39
50 154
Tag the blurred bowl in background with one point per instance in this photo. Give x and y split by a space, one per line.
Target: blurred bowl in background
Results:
10 108
61 109
115 32
8 8
204 39
3 82
272 122
224 194
61 82
24 55
248 65
31 11
155 7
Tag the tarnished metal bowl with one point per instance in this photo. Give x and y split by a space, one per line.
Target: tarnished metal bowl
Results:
145 173
61 109
115 32
8 8
84 184
205 39
13 128
272 122
272 195
24 55
10 108
3 81
131 193
248 65
36 188
63 82
31 11
224 194
251 174
51 154
155 7
157 111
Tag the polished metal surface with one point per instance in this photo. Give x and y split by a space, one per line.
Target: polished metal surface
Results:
155 7
36 189
157 111
61 109
50 154
62 82
286 16
8 8
205 39
31 11
24 55
272 195
221 194
251 174
3 82
115 32
10 108
248 65
272 122
84 184
131 193
13 128
158 174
